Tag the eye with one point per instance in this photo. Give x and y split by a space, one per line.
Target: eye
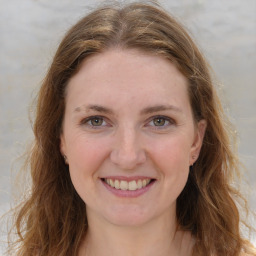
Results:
94 121
161 122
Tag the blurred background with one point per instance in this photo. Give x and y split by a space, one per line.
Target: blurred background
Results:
30 31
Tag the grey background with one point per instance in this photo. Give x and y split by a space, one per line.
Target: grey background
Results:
30 31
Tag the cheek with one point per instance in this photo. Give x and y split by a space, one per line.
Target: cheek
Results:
171 158
172 152
87 154
85 159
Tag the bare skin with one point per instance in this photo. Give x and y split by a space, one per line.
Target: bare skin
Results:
159 237
128 118
178 244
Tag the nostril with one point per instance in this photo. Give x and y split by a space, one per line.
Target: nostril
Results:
127 159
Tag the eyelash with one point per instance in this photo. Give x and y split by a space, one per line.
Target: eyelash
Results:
164 118
90 119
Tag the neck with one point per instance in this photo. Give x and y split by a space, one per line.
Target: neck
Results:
159 237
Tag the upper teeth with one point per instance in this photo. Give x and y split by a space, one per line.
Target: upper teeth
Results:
125 185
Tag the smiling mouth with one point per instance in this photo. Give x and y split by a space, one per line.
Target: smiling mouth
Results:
127 185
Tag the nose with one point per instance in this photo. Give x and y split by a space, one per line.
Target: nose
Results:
127 151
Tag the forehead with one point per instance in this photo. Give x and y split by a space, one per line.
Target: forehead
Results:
129 75
134 62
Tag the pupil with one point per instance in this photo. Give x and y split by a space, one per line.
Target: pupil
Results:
159 121
97 121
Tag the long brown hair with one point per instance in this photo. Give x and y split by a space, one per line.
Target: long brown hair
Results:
52 220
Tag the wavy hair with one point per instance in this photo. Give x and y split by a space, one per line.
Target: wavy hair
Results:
52 220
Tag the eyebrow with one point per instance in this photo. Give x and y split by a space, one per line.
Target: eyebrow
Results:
158 108
97 108
145 111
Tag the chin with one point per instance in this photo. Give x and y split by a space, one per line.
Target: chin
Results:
127 216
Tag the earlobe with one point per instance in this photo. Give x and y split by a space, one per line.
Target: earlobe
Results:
198 140
63 149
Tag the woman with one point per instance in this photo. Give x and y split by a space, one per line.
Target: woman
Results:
131 153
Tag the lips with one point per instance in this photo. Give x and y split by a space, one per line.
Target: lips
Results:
123 186
131 185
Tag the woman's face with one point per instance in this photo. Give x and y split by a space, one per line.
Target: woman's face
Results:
129 136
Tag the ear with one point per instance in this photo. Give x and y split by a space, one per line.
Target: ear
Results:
62 145
198 141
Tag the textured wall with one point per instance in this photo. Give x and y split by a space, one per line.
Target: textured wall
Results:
31 29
